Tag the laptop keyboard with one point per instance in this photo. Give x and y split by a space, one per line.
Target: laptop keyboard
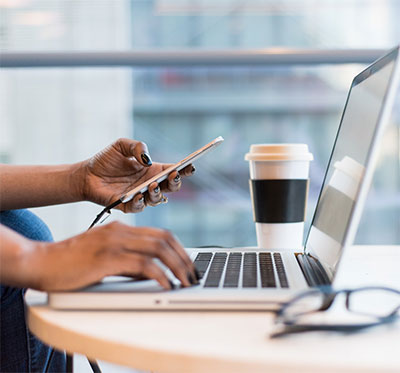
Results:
247 270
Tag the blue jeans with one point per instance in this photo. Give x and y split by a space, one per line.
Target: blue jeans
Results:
21 351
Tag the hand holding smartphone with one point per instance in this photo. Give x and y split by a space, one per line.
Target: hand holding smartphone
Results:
176 167
158 178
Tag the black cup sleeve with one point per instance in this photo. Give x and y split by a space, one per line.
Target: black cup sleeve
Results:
279 201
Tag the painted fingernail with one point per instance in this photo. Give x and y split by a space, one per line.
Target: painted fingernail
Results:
156 190
164 200
141 200
171 284
193 170
146 159
191 279
177 178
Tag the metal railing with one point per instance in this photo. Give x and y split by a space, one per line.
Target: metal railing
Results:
188 58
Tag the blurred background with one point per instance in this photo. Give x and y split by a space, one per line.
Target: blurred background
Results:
60 114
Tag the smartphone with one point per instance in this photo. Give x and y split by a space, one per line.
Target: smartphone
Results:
177 166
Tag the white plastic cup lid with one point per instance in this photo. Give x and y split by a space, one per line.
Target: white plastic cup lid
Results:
279 152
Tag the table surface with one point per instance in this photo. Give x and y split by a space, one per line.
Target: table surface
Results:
171 341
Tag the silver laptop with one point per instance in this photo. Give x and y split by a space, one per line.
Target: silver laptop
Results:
259 279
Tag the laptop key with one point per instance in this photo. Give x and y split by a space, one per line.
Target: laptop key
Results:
249 270
201 263
204 256
280 269
233 270
215 271
267 270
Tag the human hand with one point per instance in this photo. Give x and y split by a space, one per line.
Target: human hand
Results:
120 167
111 249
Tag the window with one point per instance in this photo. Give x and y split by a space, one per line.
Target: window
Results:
53 115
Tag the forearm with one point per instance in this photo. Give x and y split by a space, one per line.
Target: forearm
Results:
34 186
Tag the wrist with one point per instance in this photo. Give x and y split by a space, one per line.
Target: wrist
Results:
77 181
30 264
20 258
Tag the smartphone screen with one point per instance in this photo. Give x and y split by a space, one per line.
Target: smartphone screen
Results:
177 166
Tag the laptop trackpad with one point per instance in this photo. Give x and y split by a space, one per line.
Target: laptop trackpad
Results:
120 284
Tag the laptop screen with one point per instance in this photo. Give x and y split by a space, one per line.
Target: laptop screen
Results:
348 161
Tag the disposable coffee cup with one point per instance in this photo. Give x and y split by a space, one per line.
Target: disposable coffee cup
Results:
279 189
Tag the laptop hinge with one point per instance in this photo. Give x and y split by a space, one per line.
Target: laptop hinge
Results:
312 269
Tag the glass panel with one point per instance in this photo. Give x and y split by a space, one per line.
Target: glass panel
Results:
65 115
143 24
264 23
179 110
53 116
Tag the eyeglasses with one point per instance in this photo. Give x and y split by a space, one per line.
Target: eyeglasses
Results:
380 304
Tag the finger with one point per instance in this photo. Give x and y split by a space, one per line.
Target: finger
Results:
189 170
170 257
161 249
154 197
135 205
174 244
151 242
137 149
174 182
162 245
166 185
142 266
172 241
152 270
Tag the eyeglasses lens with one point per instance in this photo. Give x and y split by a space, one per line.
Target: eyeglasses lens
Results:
374 302
310 302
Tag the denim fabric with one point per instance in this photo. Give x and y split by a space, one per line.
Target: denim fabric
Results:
21 351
